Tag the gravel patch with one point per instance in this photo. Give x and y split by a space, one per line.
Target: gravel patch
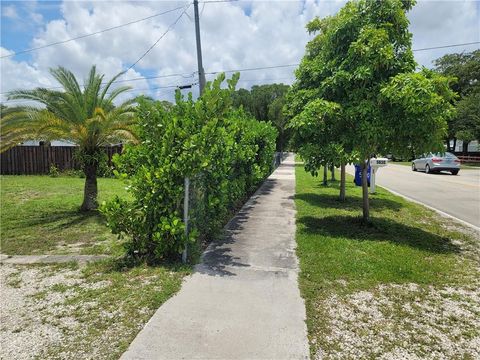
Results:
68 311
403 322
33 306
24 332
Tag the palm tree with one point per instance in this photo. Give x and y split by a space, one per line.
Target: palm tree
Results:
84 115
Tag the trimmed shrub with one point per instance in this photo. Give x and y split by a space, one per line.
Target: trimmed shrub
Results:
224 152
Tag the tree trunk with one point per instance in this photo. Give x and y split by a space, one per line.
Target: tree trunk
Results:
465 147
454 144
90 191
333 172
366 205
325 175
342 182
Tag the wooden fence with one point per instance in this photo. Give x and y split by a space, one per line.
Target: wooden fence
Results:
34 160
469 159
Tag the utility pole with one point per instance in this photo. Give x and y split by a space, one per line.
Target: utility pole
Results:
201 82
201 72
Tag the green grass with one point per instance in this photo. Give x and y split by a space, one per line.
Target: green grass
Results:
339 255
39 215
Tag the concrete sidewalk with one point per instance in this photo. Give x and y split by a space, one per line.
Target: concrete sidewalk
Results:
243 300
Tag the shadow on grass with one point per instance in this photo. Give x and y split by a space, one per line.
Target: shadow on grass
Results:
352 228
351 202
64 219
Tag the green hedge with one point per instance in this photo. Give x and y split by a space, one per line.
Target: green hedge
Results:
225 152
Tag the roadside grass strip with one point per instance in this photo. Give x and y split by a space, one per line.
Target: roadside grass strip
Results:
405 286
40 215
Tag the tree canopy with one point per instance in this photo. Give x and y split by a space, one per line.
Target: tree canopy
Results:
360 64
465 69
265 103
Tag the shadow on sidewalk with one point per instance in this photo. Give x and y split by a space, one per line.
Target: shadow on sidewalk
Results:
219 258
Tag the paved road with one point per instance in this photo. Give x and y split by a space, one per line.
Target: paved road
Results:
458 196
243 300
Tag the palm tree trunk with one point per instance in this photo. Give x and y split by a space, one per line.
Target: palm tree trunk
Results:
91 190
366 204
342 182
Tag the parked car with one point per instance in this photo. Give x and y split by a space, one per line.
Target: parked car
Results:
437 162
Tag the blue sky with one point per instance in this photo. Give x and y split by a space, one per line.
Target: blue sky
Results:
241 34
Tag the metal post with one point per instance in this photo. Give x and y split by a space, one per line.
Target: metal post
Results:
372 180
185 214
201 72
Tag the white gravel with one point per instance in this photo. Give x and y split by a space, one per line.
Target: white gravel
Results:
404 322
29 325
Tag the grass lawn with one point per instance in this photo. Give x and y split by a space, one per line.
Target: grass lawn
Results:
406 286
70 312
67 311
39 215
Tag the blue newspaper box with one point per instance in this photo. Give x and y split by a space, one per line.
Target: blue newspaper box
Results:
358 175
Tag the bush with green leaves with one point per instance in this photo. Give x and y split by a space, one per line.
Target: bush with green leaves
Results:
221 149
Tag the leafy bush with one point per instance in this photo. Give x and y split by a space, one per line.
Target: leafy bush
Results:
222 150
53 171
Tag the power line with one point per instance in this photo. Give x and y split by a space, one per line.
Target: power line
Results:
129 90
447 46
91 34
252 69
257 68
172 25
184 75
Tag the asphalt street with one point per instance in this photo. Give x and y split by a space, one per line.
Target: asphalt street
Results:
458 196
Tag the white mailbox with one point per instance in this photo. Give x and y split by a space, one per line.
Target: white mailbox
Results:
375 164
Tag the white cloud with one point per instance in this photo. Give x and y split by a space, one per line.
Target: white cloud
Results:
10 12
234 35
437 23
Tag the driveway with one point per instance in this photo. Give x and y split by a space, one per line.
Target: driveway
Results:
458 196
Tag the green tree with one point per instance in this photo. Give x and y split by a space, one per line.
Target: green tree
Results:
467 126
465 68
265 103
85 116
361 61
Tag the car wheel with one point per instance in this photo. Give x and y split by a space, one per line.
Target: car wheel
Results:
427 169
414 167
455 172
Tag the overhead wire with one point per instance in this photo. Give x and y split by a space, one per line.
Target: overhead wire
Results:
447 46
171 26
91 34
247 69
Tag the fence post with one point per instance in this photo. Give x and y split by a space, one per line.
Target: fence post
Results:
185 215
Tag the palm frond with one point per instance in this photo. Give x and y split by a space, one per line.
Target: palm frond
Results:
107 86
86 118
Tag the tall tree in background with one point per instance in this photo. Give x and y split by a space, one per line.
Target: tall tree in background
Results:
84 116
361 63
465 68
265 103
